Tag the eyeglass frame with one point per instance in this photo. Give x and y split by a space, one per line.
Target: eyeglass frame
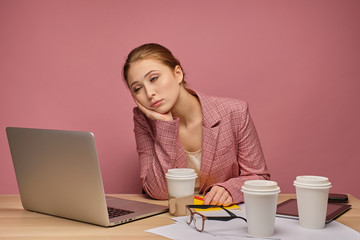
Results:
219 218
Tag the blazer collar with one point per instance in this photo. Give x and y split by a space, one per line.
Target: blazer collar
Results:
211 116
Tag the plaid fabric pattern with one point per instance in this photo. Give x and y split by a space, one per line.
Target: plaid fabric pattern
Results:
231 150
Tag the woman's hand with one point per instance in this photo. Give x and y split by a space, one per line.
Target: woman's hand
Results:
218 196
153 115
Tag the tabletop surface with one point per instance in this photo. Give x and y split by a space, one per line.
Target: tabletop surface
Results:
17 223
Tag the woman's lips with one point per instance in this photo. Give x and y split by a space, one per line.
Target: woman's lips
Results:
156 103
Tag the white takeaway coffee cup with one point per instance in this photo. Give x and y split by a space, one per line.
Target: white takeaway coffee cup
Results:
260 205
181 182
181 185
312 199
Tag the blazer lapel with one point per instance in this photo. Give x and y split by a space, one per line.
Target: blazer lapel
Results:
211 120
181 161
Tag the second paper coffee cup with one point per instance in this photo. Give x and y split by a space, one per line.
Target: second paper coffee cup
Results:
260 206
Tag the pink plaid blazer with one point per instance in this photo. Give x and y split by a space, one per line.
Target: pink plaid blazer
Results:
231 150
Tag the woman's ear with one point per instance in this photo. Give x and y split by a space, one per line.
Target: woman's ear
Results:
179 74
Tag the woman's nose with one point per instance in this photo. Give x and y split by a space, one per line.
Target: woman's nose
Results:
149 92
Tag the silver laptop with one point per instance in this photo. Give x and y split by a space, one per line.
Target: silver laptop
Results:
58 173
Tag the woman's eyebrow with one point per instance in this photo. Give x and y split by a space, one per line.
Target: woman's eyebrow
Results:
148 73
133 83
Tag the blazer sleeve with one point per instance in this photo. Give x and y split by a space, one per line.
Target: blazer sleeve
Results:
156 143
250 156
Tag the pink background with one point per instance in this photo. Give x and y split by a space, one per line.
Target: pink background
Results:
295 62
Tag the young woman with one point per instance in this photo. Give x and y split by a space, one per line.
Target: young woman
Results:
177 127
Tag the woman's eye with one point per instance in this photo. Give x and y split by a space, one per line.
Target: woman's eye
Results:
153 78
135 90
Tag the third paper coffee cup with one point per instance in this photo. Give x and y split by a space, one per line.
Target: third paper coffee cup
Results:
260 206
312 199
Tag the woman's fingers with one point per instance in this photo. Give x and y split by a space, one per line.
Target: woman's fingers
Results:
218 196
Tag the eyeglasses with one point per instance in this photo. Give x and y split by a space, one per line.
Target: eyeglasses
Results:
199 219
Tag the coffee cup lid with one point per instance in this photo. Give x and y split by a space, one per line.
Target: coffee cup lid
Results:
181 173
312 181
260 186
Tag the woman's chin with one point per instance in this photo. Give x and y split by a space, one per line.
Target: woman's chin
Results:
161 111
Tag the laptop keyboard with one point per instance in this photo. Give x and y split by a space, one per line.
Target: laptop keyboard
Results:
116 212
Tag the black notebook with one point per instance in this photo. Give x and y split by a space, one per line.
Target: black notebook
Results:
288 209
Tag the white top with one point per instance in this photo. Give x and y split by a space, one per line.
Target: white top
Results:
194 162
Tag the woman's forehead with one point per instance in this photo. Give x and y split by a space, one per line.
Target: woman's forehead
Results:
139 69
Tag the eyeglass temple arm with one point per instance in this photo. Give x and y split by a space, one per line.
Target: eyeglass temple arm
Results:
210 206
219 218
224 218
230 213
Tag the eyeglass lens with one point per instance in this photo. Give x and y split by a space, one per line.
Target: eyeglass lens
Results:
188 216
198 221
195 218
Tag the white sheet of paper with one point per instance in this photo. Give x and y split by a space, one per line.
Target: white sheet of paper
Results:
285 229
